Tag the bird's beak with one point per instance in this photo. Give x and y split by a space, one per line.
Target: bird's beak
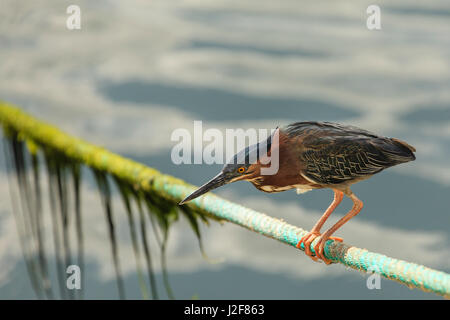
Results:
214 183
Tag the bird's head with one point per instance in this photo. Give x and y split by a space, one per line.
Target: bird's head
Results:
245 165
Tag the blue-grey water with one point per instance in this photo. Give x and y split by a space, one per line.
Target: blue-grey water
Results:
136 71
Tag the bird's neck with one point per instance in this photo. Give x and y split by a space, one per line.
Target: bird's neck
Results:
288 174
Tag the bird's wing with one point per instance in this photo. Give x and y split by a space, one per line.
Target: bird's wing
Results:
337 159
314 128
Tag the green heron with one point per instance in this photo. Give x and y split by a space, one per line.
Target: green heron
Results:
315 155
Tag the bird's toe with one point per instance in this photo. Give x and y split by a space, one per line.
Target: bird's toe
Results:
319 248
307 240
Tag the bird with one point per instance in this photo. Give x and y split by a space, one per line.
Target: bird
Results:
314 155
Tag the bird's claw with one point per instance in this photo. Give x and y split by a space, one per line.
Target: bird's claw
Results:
318 247
307 240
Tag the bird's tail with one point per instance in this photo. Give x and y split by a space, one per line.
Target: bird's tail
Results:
398 151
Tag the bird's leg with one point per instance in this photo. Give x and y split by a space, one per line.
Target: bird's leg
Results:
315 231
319 247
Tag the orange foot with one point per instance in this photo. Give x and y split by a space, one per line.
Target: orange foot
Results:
318 248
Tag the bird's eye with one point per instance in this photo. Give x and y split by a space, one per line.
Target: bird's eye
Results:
241 169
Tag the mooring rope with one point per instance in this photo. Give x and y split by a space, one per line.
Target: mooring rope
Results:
174 190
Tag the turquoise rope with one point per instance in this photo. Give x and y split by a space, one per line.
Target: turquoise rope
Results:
409 274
